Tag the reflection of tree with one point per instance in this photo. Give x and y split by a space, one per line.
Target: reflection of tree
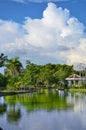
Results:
1 128
3 108
48 101
13 114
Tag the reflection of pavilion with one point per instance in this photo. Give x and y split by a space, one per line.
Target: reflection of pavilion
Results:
74 79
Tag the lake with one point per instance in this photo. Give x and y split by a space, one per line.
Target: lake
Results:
51 110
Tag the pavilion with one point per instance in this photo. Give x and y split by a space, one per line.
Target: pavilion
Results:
73 79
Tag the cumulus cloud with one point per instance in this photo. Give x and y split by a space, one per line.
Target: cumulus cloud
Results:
9 31
78 55
56 37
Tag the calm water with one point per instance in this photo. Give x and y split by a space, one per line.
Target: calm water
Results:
49 111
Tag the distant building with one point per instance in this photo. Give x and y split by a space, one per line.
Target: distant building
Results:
74 80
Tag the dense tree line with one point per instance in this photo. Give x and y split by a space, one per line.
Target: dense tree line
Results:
33 75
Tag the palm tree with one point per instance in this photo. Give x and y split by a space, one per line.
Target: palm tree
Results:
3 58
14 66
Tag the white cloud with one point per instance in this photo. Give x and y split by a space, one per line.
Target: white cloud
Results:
78 55
56 37
9 31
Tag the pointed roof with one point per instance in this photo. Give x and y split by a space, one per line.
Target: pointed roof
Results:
74 77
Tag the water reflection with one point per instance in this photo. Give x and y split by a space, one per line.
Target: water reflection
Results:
51 110
13 114
1 128
3 106
48 101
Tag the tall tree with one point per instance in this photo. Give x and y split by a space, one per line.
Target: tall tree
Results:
3 59
14 66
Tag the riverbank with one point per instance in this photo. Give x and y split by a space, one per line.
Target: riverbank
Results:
5 93
9 93
77 89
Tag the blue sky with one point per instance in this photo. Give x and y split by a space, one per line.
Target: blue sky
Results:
44 31
17 11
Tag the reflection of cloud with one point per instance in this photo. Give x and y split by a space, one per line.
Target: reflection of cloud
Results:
56 36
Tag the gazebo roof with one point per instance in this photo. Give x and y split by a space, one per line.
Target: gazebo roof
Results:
73 77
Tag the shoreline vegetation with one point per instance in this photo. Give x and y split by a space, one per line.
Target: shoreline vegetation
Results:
9 93
77 89
13 93
18 79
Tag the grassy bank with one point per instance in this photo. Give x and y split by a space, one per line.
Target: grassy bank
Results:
10 92
77 89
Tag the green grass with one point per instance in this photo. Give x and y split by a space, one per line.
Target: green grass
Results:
78 89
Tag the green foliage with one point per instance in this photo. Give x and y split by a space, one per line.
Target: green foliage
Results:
3 59
13 66
48 100
14 82
3 81
45 75
37 76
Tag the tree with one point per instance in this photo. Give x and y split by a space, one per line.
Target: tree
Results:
3 59
14 66
3 81
46 74
31 74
